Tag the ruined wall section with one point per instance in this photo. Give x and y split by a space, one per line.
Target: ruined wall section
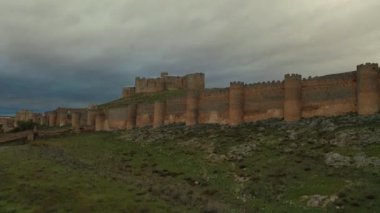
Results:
263 101
214 106
329 95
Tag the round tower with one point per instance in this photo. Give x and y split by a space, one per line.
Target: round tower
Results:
131 116
159 113
52 118
236 103
293 97
61 118
195 81
75 120
368 89
100 121
91 117
192 107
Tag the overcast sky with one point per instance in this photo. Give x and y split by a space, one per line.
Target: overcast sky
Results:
74 53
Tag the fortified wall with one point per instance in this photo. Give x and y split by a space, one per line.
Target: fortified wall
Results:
6 123
27 115
66 117
164 83
291 99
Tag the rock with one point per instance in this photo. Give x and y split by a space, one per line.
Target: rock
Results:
360 160
350 137
328 126
261 129
344 138
240 151
336 160
375 161
215 158
241 178
368 137
292 135
318 200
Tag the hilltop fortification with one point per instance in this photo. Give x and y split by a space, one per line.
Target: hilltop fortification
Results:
184 99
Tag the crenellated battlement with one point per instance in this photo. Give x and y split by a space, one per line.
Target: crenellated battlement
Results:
368 88
368 66
237 84
193 81
128 91
292 98
342 79
293 76
265 84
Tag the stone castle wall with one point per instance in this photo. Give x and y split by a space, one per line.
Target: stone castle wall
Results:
65 117
164 82
175 111
116 118
214 106
329 95
291 99
263 101
145 113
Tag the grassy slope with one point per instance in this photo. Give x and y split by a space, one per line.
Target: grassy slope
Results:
255 167
143 98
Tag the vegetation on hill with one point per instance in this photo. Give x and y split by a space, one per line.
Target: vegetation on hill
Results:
315 165
143 98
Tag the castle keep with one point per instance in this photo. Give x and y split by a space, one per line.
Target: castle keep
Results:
172 99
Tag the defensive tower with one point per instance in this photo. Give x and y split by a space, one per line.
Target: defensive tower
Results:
159 113
236 103
52 117
75 120
91 113
131 116
194 84
293 96
100 121
367 89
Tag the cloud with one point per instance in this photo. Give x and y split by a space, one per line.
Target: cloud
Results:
73 53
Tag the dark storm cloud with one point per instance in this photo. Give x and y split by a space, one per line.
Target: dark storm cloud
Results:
73 53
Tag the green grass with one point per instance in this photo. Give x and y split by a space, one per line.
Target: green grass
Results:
170 170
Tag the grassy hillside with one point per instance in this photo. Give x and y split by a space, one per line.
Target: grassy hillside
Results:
143 98
315 165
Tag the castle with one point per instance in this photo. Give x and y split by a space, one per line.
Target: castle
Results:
291 99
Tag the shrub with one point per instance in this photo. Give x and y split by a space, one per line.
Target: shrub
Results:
24 125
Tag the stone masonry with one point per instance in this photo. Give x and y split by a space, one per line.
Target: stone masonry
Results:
292 99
